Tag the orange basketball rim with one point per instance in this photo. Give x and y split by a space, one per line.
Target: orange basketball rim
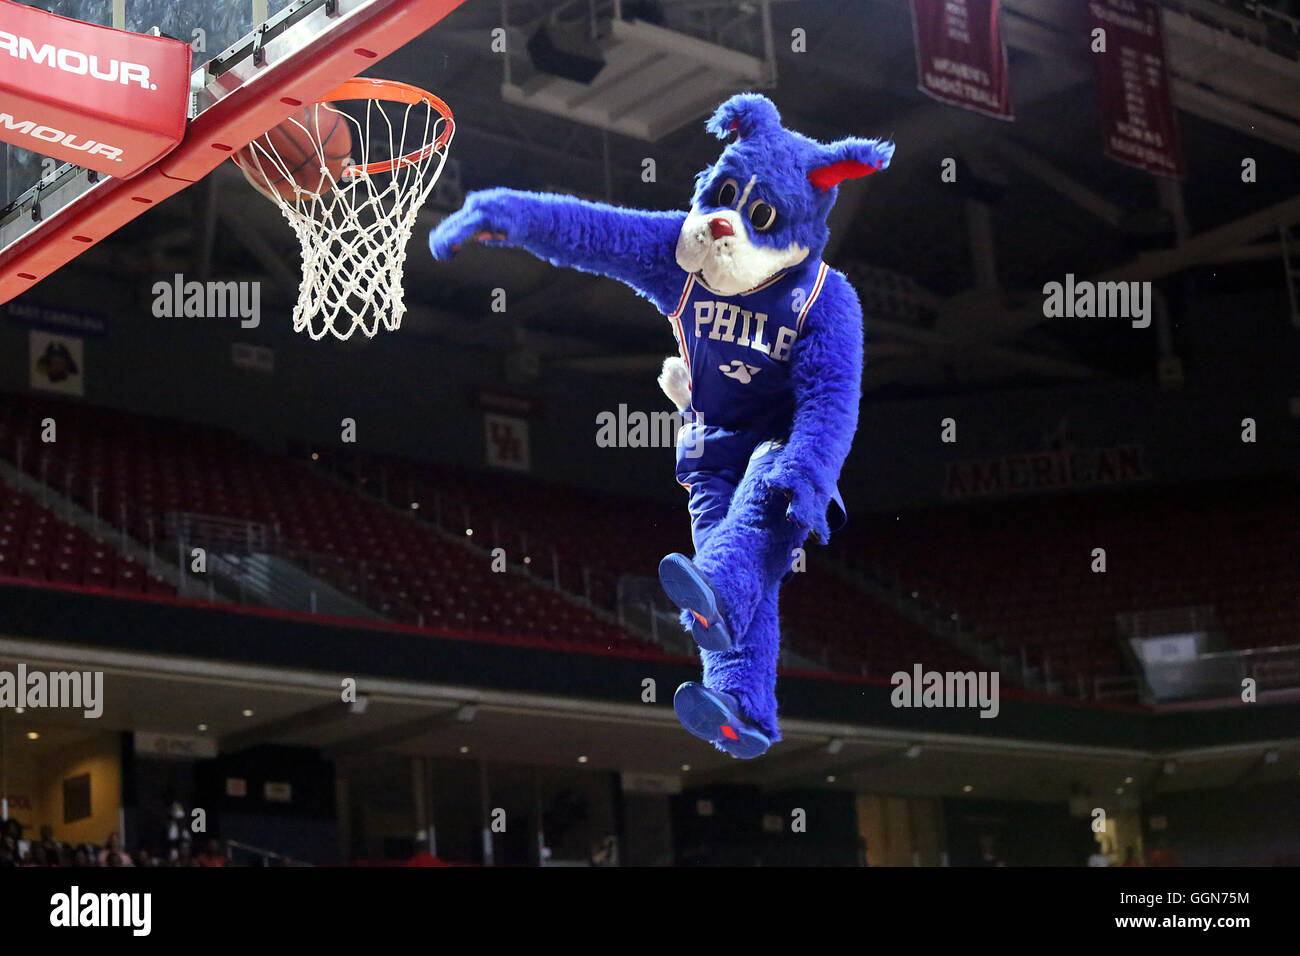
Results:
354 235
391 91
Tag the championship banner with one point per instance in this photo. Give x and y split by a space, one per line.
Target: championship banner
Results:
109 100
1138 121
960 58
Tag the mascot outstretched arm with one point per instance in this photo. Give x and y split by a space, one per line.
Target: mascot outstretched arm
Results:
631 245
768 377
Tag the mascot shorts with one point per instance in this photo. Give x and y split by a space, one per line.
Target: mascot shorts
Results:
711 493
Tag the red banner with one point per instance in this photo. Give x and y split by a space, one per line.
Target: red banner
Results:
960 58
108 100
1138 121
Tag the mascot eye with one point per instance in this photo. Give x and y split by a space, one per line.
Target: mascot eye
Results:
728 192
762 215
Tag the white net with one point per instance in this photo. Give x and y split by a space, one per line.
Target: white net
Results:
355 227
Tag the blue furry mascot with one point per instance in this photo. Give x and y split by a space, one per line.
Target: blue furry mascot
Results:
768 379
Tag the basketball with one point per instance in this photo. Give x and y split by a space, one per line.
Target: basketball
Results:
295 152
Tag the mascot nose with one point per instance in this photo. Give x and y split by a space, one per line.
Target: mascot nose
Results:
720 227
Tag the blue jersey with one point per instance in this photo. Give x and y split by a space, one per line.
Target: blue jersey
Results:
737 349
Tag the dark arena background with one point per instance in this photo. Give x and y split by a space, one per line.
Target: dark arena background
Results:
392 601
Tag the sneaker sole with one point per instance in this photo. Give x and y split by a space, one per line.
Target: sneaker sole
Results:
709 717
687 588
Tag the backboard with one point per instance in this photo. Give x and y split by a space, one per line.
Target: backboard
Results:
254 63
208 26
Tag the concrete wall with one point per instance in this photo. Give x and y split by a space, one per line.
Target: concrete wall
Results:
101 757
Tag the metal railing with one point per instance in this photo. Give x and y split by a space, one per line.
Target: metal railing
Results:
264 857
1162 621
220 530
430 503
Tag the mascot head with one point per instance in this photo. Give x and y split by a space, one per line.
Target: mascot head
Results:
762 206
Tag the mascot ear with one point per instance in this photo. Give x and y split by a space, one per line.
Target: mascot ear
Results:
849 159
745 114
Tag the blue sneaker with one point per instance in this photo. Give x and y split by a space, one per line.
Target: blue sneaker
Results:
690 590
715 716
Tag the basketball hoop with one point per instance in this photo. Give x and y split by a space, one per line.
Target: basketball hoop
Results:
355 228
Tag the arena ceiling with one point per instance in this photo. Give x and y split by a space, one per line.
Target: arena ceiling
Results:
1056 205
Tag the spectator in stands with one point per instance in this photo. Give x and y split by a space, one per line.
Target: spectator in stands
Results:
423 857
54 851
82 856
144 858
178 833
38 856
1161 855
183 855
211 855
14 831
113 854
988 851
8 851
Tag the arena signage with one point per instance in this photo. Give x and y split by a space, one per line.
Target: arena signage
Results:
108 100
1045 471
53 318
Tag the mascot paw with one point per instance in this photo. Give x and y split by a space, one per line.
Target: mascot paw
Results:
807 506
675 380
483 218
812 518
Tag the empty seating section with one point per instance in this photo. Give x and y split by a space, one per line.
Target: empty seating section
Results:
858 631
596 537
37 546
134 470
1022 572
824 618
1019 573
